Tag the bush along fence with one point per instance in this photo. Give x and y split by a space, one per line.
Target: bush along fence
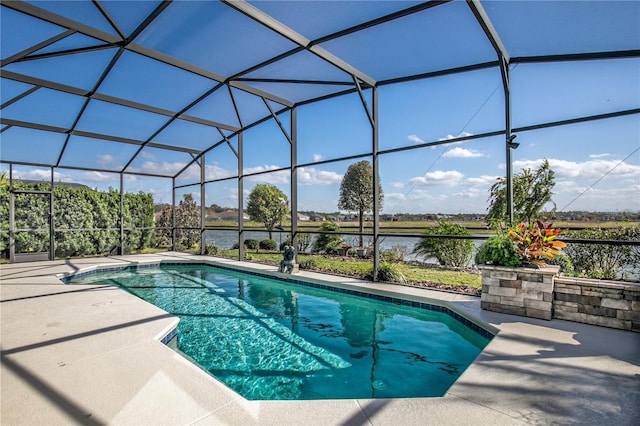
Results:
542 293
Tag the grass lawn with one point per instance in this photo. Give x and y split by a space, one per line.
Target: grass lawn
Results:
416 275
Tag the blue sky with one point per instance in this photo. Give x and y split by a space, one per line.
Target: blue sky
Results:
597 163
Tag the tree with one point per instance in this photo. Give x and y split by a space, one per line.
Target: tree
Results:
188 218
165 220
356 192
216 208
267 204
531 191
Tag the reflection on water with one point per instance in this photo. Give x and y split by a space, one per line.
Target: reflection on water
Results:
227 239
267 339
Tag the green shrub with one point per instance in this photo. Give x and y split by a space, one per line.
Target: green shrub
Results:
389 272
328 243
89 210
211 249
309 263
605 261
251 244
565 263
395 254
498 250
448 251
268 245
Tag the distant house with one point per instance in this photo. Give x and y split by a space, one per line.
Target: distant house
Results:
303 217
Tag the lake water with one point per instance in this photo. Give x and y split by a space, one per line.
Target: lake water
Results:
227 239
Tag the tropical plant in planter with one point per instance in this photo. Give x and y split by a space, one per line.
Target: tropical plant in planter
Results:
524 244
536 242
498 250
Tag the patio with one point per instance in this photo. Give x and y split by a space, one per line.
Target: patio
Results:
92 355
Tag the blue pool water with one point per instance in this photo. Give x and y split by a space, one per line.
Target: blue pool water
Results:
270 339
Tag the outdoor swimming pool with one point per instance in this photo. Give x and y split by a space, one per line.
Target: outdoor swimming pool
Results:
271 339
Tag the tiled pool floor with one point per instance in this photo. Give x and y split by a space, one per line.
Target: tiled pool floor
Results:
91 355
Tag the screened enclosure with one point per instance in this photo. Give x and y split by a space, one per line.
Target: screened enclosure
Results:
174 111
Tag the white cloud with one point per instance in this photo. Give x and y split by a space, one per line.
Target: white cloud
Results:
40 174
460 135
147 155
313 176
597 199
590 170
317 157
393 197
599 155
458 152
420 200
35 174
214 171
231 196
274 178
397 184
483 180
106 160
438 177
470 193
98 177
415 139
259 169
164 168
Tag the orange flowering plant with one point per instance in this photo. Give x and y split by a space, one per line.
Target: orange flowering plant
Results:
536 241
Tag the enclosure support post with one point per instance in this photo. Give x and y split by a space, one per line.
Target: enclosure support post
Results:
202 210
240 196
294 178
376 189
504 59
12 223
509 144
174 234
52 228
121 248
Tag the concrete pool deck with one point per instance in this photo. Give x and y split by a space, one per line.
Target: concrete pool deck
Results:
92 355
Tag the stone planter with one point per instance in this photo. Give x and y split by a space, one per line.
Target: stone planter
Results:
614 304
526 292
